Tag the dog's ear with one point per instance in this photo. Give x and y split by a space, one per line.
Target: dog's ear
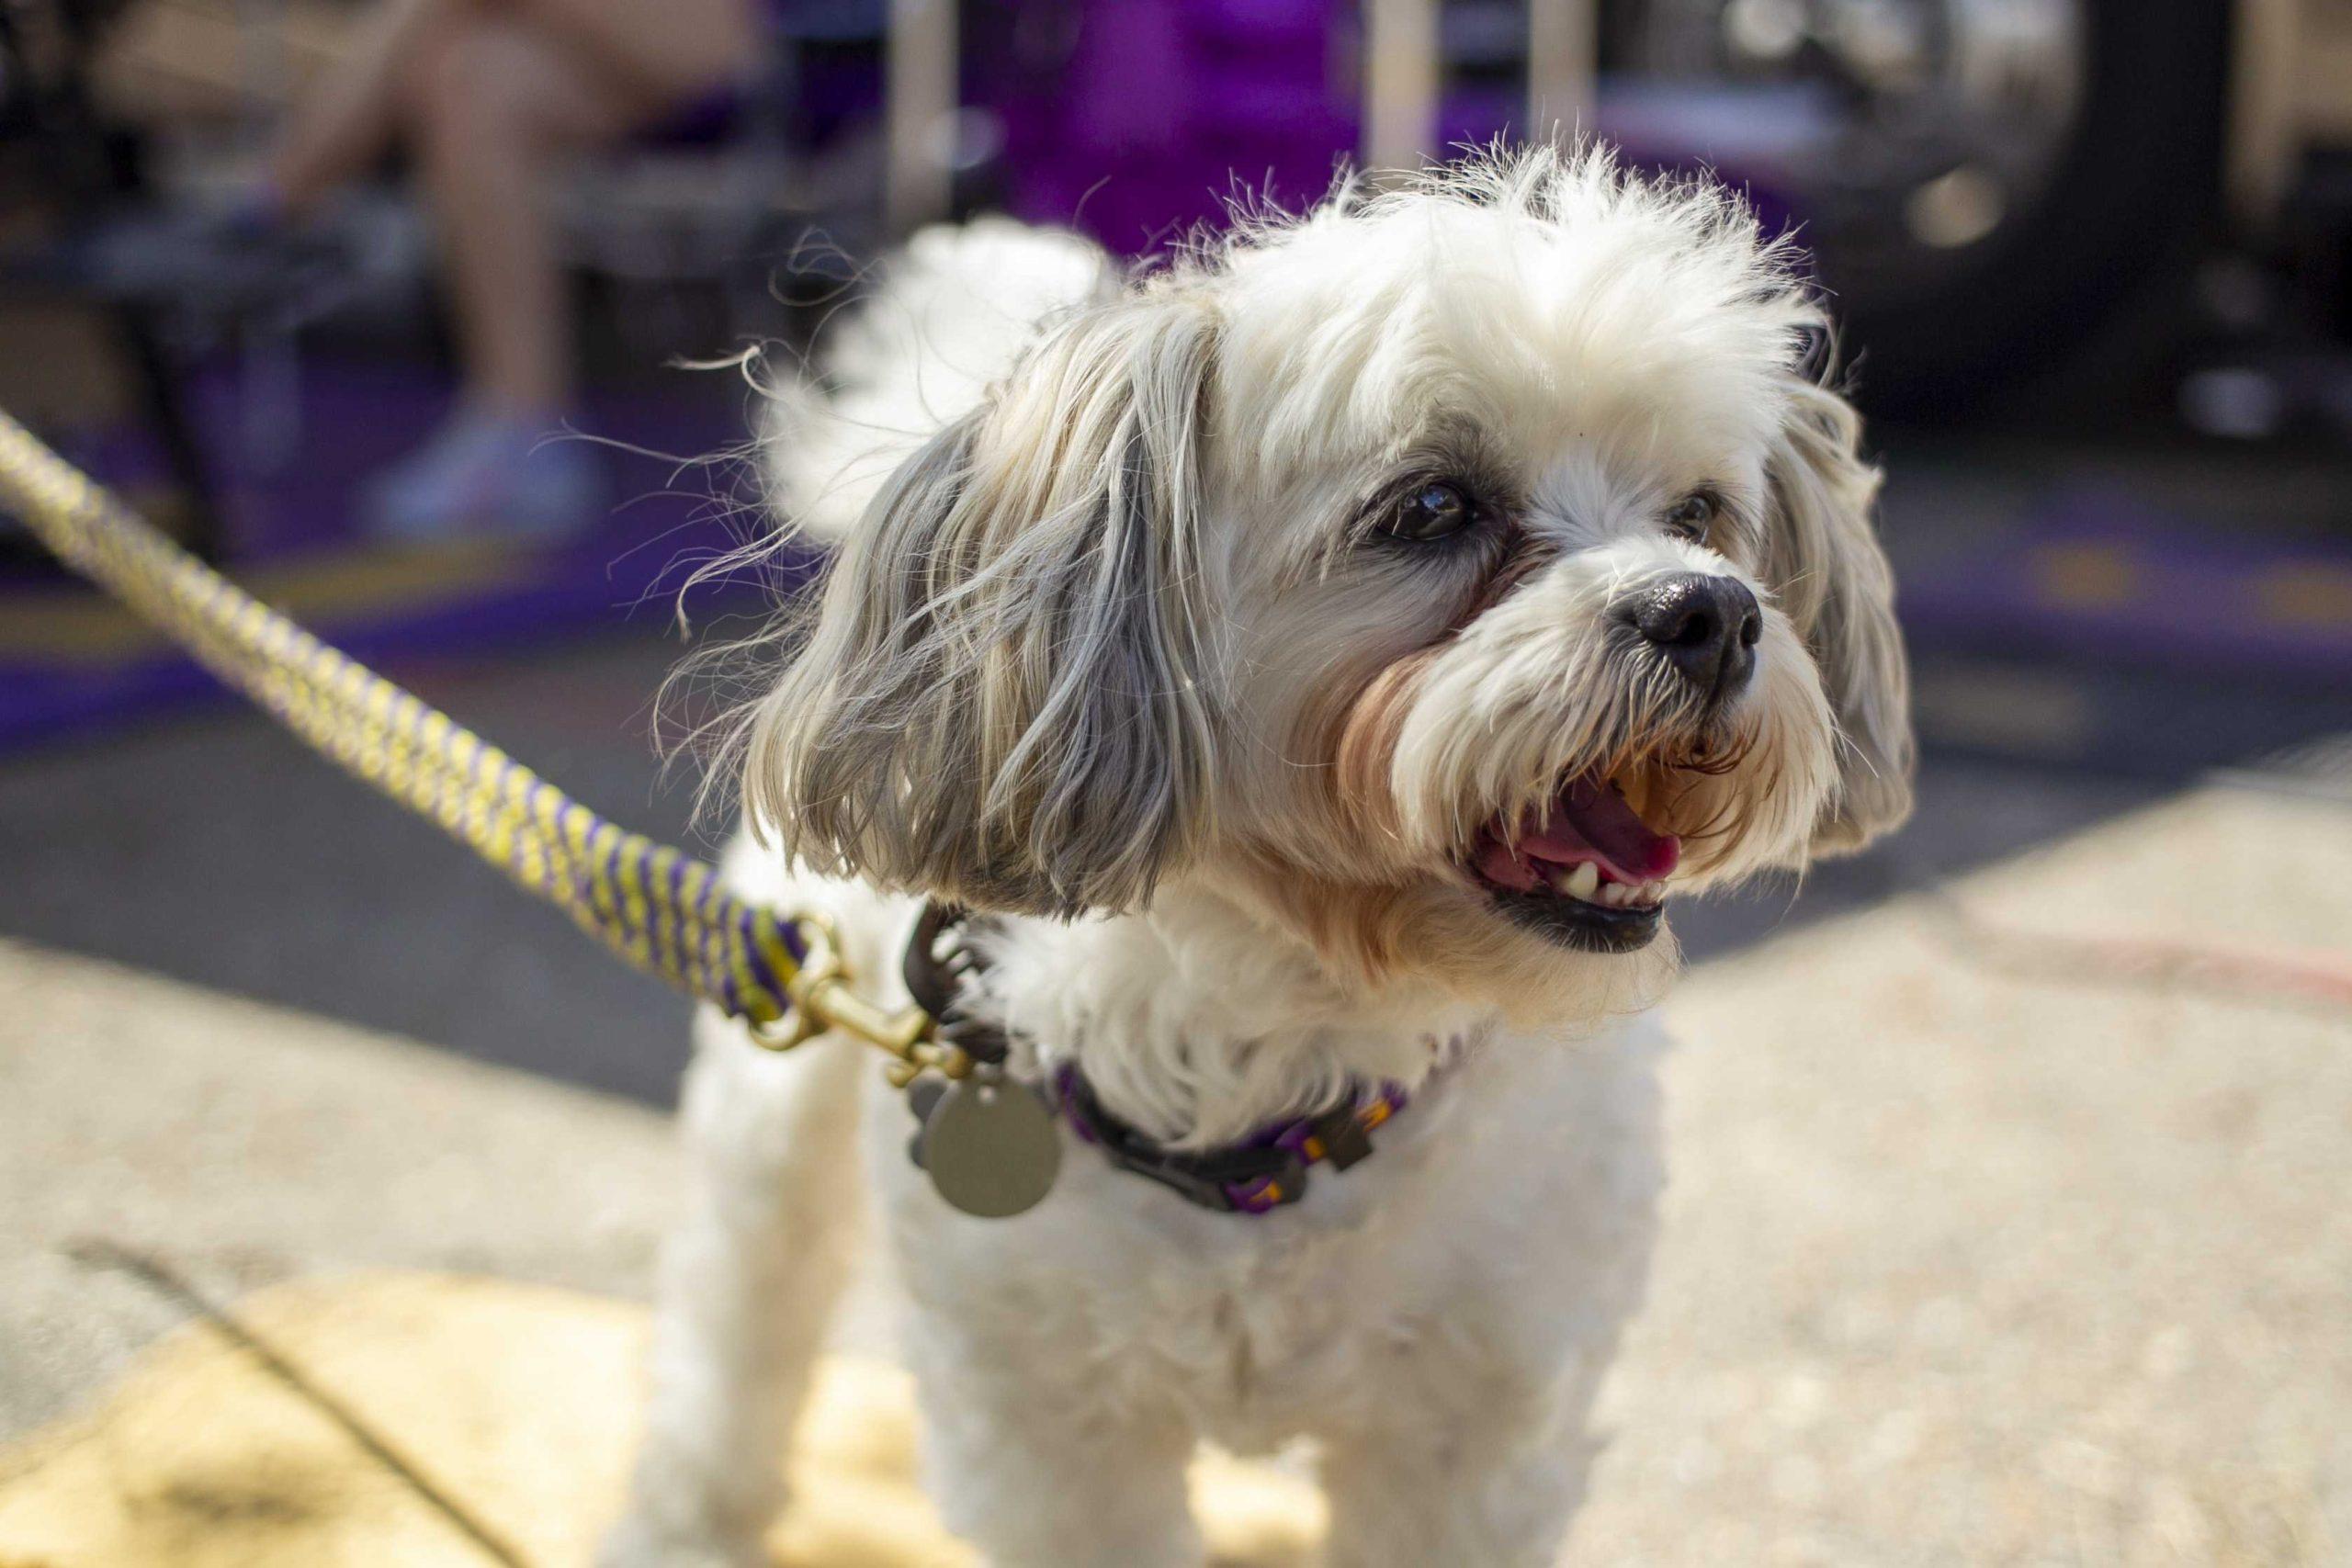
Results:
1823 563
1005 698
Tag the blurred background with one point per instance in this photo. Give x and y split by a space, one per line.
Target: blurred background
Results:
311 281
2094 262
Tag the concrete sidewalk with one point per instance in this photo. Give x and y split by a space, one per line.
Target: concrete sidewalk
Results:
244 1145
2007 1225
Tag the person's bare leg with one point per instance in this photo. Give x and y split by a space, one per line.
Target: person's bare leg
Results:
347 120
494 105
651 56
491 108
659 55
493 100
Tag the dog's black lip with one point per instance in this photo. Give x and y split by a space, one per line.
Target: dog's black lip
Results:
1572 922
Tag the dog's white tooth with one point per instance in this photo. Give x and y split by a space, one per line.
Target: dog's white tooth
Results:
1653 892
1583 882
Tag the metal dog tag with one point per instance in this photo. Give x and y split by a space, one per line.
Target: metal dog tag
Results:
990 1146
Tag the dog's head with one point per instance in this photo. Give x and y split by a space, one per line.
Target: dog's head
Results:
1449 574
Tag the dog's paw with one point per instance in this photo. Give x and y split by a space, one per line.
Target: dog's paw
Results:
639 1542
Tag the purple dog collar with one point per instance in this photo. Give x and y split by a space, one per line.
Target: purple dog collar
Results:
1262 1173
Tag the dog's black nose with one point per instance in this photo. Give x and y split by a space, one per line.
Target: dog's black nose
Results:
1706 627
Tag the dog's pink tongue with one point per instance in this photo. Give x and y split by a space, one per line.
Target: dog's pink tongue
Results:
1590 821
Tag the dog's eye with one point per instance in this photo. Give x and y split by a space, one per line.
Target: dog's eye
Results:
1694 514
1432 512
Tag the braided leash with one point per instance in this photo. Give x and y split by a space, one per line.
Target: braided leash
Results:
663 910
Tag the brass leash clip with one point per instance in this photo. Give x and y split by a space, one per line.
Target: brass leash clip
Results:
823 999
990 1143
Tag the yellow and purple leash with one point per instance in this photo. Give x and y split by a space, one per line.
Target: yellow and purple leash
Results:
663 910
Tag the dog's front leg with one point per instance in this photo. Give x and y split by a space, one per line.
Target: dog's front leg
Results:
748 1283
1478 1487
1039 1470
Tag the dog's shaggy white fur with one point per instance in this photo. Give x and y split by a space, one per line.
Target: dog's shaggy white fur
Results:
1232 631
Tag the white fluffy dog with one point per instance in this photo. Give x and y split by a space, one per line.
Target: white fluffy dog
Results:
1314 660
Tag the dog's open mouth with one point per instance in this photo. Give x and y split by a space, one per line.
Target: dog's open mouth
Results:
1589 873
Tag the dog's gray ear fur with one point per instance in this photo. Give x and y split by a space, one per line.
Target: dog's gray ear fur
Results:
1824 562
1005 698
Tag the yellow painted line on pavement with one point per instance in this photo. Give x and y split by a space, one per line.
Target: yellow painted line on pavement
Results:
85 629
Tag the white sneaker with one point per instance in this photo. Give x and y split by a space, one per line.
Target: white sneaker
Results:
488 475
